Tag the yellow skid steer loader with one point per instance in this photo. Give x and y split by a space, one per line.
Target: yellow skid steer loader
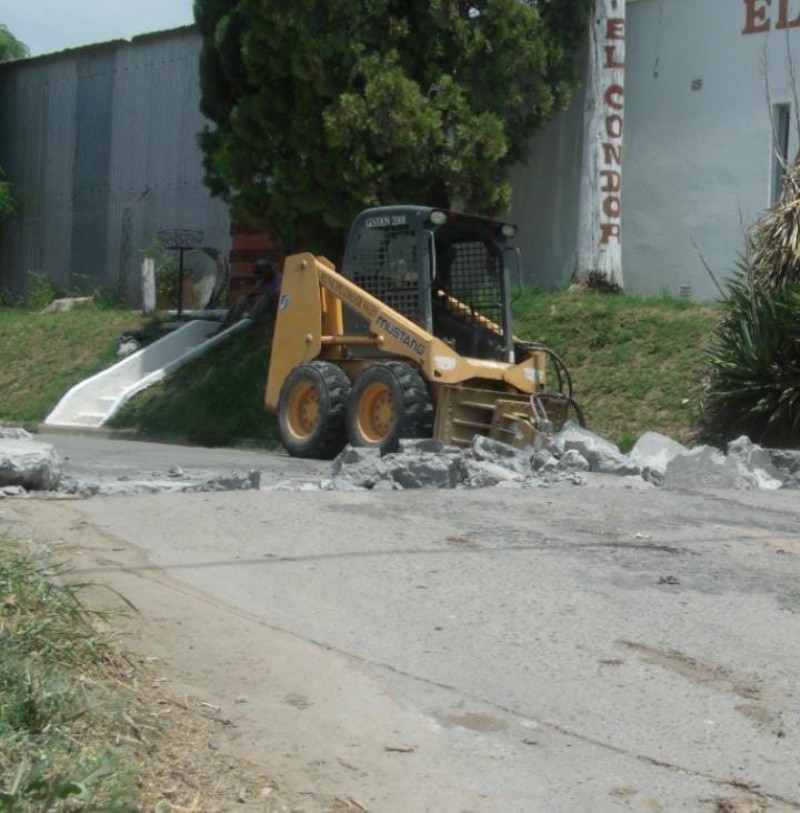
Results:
411 339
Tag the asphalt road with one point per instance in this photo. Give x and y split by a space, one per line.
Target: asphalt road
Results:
573 648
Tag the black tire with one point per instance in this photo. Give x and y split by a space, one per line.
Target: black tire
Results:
311 410
396 390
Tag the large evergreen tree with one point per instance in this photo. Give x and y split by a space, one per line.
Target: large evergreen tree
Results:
10 48
323 107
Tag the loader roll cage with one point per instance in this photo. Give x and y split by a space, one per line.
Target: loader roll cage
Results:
445 271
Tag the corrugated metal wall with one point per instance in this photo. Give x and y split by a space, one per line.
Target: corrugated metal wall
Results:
83 134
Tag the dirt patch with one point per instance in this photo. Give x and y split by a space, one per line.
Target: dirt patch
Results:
695 670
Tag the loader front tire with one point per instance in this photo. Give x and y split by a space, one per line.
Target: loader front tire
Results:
389 401
311 410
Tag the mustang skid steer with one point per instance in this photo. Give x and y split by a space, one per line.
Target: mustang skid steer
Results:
412 339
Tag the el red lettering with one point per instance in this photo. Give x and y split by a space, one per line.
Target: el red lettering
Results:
756 20
783 17
611 58
615 29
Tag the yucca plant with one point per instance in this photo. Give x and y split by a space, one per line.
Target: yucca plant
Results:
754 355
754 364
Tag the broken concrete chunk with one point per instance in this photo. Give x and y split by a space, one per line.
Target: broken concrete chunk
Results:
705 467
487 450
359 468
602 455
652 452
424 471
233 482
14 433
34 466
426 446
542 459
787 461
752 456
353 455
485 474
757 461
572 460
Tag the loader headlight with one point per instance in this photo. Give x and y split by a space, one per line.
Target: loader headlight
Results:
438 218
508 230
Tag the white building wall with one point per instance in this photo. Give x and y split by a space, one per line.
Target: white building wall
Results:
698 154
698 162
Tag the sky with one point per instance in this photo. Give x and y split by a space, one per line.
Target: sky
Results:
52 25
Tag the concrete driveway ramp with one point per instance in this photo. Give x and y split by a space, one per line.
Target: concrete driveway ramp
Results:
92 402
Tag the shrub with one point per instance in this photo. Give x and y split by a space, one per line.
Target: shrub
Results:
754 364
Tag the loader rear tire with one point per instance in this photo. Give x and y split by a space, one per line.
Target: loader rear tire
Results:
311 410
389 401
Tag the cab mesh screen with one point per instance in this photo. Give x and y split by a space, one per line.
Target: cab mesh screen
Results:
470 274
385 265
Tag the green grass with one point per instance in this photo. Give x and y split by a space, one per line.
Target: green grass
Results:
59 705
213 400
636 364
43 355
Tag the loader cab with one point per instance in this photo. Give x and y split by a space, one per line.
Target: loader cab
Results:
445 271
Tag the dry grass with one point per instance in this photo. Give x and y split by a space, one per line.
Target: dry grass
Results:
104 722
774 255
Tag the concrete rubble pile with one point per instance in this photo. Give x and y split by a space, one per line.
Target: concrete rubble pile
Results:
572 454
28 467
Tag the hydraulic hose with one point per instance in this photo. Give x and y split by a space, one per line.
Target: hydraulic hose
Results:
562 375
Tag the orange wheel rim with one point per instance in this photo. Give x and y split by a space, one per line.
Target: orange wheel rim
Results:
304 410
376 412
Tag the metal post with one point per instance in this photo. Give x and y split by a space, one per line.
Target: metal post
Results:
180 240
180 282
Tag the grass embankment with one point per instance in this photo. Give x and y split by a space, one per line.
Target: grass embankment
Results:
43 355
215 399
636 364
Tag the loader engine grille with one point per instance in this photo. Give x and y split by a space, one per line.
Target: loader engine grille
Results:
385 265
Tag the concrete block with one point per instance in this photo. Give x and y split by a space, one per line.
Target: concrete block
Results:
602 455
14 433
653 451
787 461
705 467
425 470
34 466
488 450
426 446
485 474
573 460
360 468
